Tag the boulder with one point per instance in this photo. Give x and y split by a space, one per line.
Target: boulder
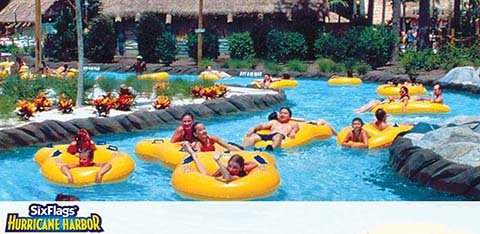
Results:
463 76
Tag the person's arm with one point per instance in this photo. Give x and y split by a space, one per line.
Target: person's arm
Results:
259 127
404 104
347 139
249 166
364 138
177 135
224 144
439 99
226 175
105 168
192 153
295 129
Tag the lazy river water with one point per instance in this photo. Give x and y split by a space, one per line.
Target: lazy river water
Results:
320 171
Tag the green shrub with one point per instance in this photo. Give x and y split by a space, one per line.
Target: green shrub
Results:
180 88
274 49
362 68
325 65
149 29
242 63
331 47
11 49
142 86
207 62
62 46
210 46
108 84
100 41
27 89
375 45
241 46
7 106
272 66
69 87
166 48
340 68
297 65
294 46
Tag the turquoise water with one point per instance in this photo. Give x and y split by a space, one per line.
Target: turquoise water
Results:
320 171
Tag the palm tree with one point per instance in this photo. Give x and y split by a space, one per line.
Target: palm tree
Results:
456 16
423 23
78 17
396 26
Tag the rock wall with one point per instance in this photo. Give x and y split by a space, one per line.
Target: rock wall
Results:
425 167
58 131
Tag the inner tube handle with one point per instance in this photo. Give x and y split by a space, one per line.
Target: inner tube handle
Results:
155 141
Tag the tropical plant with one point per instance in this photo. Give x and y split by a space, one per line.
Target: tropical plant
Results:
100 40
149 29
62 45
241 46
166 48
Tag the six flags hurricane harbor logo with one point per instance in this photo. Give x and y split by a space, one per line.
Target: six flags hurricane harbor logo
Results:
53 218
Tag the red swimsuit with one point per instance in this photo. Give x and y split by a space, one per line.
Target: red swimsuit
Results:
209 147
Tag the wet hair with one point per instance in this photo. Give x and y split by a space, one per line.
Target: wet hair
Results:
267 74
404 88
286 76
82 134
187 114
272 116
194 125
65 66
66 197
358 119
439 86
288 109
239 160
380 114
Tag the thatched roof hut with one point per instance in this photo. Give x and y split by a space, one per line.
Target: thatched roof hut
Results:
22 11
189 8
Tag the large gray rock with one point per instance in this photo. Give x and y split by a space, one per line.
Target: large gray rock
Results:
462 75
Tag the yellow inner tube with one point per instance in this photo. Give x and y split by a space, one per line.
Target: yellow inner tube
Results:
208 76
277 83
341 80
307 133
413 107
394 90
260 182
51 159
163 151
377 139
157 76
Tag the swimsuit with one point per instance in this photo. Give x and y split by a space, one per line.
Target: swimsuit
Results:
210 145
188 135
86 164
269 137
356 138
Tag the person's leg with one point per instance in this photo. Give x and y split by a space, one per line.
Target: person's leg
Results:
105 168
66 171
369 106
251 140
277 140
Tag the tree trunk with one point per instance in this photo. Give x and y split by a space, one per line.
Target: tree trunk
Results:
370 11
456 17
396 27
423 22
78 17
384 4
